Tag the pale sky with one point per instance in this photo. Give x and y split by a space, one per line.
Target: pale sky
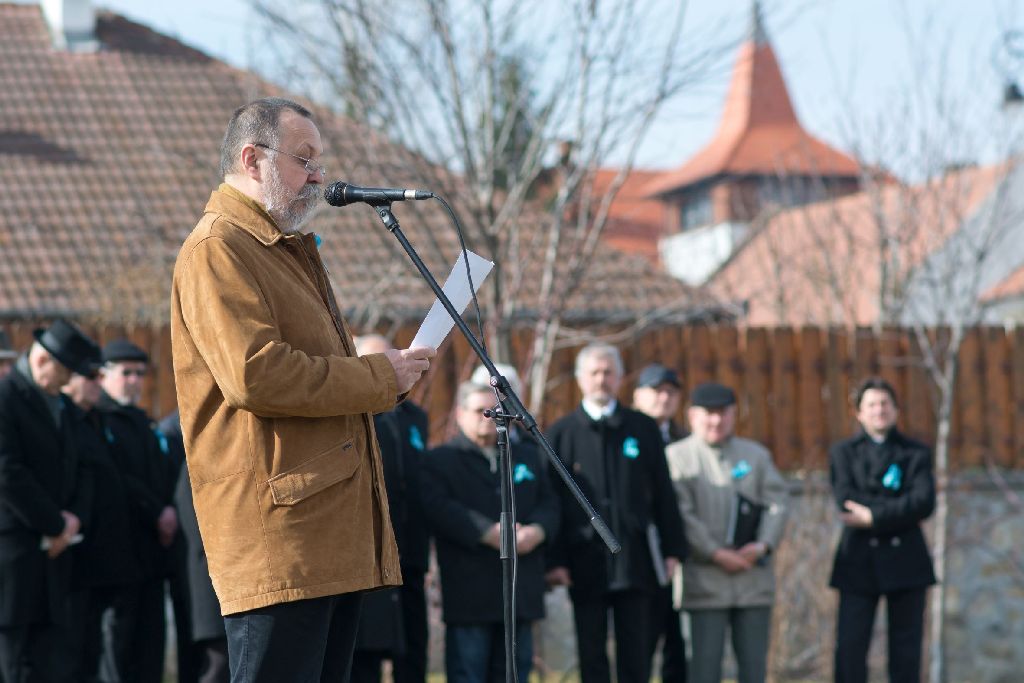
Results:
832 52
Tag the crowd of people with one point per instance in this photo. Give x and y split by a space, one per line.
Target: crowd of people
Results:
293 540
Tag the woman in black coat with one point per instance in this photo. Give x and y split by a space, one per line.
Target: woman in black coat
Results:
883 484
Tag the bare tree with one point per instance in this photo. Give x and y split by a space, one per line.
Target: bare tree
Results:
509 108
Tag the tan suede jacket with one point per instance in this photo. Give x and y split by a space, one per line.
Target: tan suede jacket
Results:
276 415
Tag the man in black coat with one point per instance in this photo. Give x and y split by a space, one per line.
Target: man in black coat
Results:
883 484
136 626
657 395
462 501
617 457
106 560
207 637
43 497
393 622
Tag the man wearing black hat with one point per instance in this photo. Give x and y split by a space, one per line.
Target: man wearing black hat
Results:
43 497
657 395
135 627
733 503
618 459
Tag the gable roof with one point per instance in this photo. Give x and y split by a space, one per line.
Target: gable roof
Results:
759 133
821 264
107 160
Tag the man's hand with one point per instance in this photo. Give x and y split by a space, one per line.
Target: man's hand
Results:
528 537
167 526
731 561
558 576
59 544
671 564
409 365
492 536
753 551
857 515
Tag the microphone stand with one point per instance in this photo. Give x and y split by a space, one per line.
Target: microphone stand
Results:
509 407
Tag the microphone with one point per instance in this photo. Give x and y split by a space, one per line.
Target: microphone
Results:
343 194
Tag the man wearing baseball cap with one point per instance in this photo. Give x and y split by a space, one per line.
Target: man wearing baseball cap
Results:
657 395
733 502
42 503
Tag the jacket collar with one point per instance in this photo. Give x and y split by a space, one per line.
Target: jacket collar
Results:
245 212
21 375
615 420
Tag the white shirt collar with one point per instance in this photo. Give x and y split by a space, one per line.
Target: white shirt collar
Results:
596 412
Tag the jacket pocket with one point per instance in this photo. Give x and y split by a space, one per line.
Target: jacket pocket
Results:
333 465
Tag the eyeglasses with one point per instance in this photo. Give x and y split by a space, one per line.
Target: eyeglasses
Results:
311 167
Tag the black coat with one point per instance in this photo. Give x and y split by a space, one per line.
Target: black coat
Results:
207 622
619 463
462 499
107 555
40 475
149 473
891 555
401 435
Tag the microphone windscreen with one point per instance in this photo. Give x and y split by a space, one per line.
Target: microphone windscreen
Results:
334 194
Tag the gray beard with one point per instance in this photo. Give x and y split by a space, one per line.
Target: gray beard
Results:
289 214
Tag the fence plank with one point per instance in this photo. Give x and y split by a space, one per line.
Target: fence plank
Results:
998 395
810 408
783 402
757 383
970 395
1017 411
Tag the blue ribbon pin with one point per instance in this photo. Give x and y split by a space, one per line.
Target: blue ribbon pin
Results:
631 448
740 469
892 478
318 239
415 438
522 473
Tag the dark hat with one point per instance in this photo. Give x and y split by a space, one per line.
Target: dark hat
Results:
119 350
6 352
656 374
70 346
712 395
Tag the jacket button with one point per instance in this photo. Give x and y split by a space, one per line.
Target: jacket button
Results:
895 542
873 542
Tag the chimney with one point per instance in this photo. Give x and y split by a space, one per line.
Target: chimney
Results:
72 24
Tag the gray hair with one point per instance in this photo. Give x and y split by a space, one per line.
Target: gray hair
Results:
599 349
467 389
252 123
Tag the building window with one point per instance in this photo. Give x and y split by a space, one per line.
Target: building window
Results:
789 191
696 210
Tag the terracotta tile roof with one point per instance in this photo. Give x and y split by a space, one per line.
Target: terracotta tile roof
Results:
107 159
635 221
819 264
759 132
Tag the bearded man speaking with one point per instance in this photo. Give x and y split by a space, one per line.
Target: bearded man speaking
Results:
276 410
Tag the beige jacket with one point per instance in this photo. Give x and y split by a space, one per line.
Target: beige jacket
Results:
276 415
706 479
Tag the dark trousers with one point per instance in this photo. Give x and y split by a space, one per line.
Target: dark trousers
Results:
188 654
134 630
37 654
412 667
301 642
475 653
631 615
213 665
905 613
673 651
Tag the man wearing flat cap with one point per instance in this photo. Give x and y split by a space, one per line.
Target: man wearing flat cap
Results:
657 395
44 495
135 626
733 503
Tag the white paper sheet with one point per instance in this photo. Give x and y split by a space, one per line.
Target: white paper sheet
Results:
438 323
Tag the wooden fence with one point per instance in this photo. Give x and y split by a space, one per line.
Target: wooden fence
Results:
793 383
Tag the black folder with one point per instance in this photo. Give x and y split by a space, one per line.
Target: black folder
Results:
744 521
